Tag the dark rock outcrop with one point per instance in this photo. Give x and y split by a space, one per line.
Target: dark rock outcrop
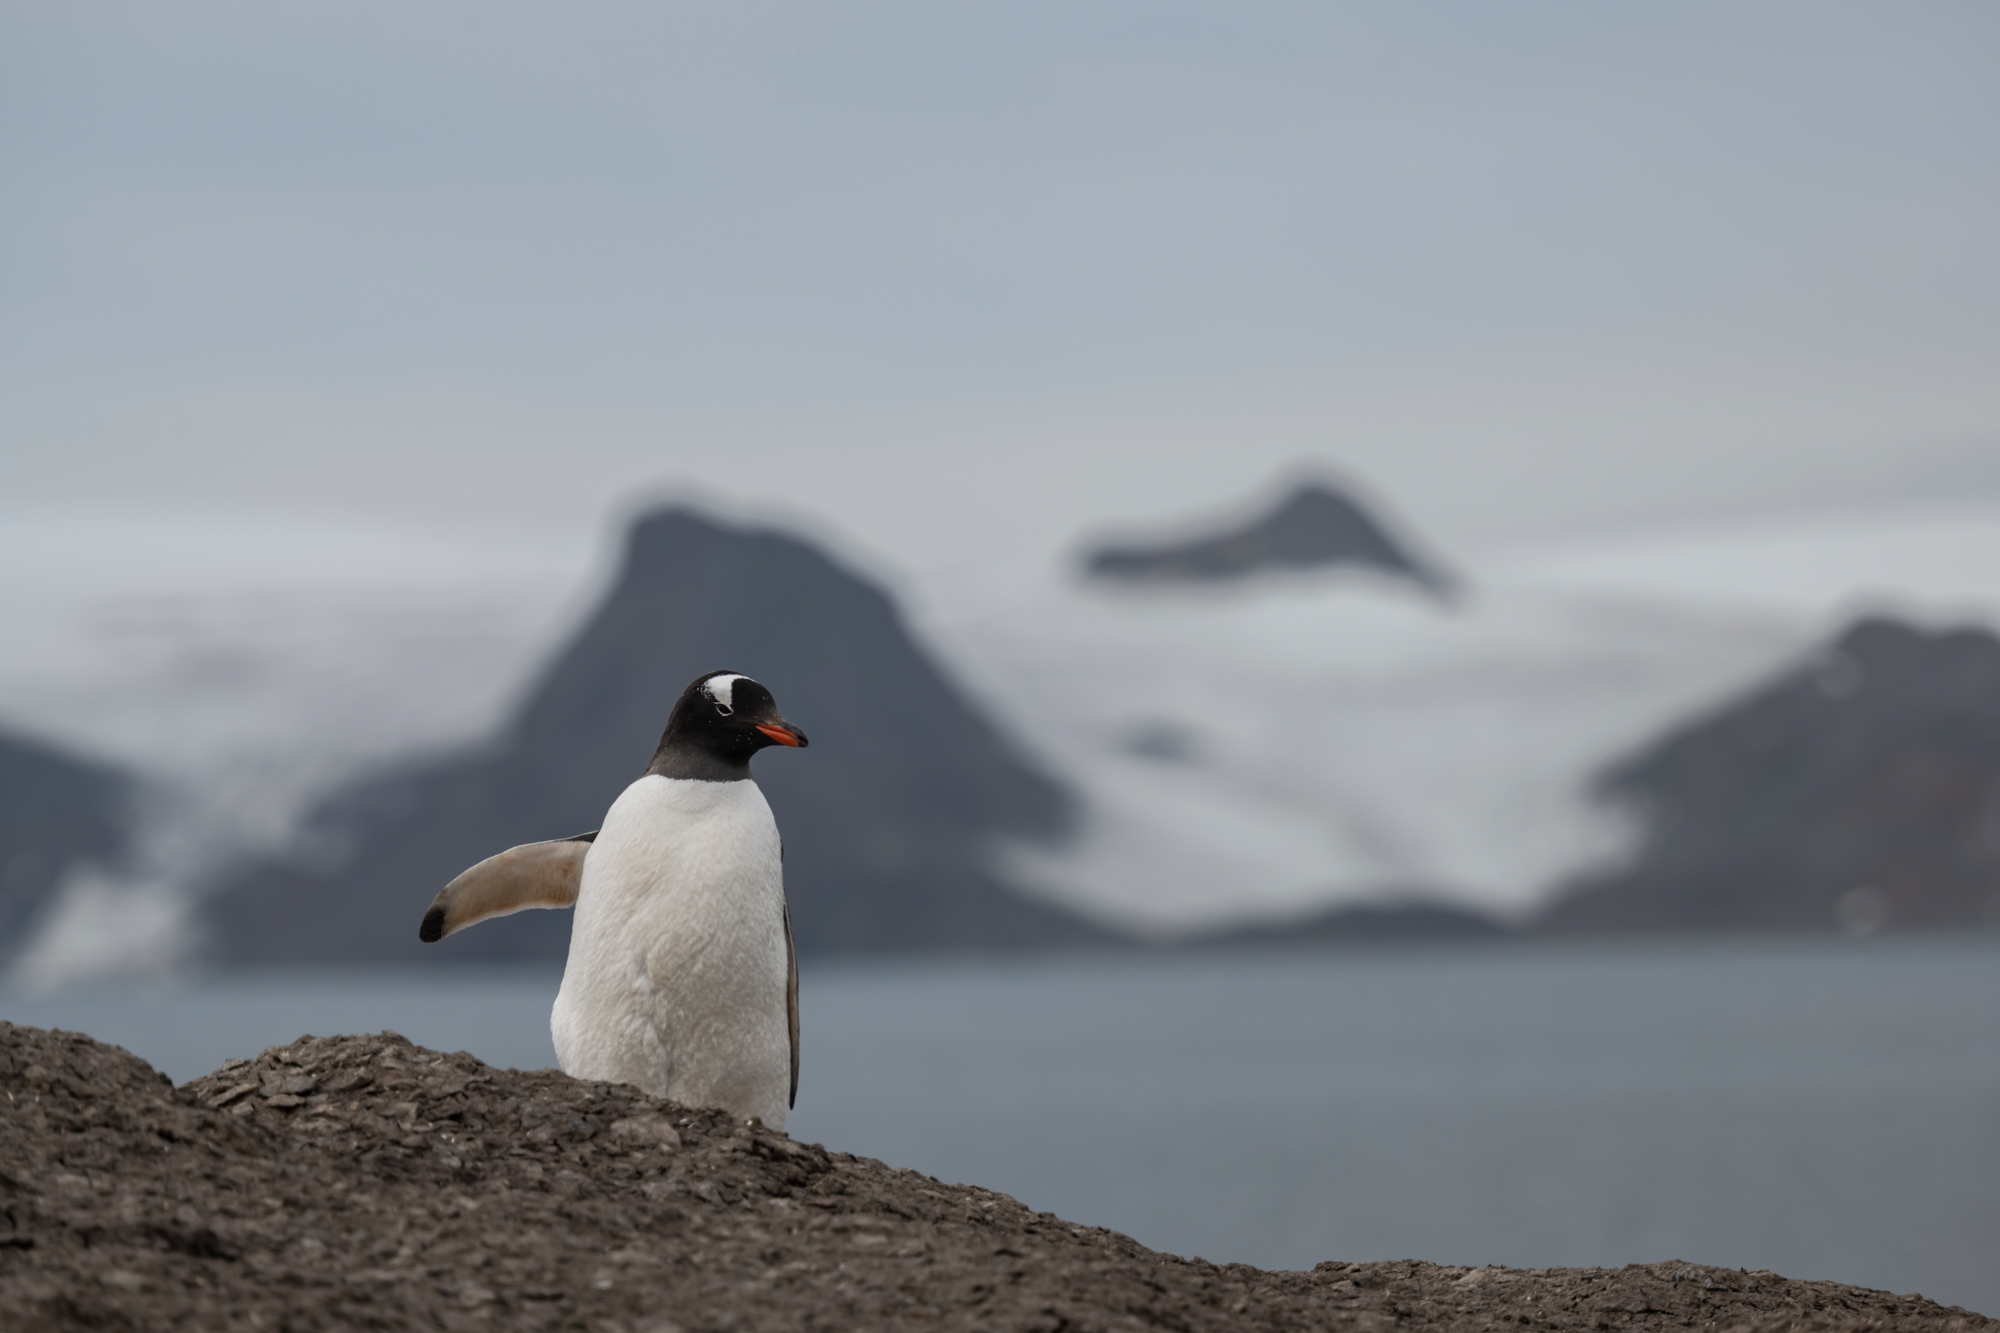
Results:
56 811
362 1182
1860 790
889 819
1316 526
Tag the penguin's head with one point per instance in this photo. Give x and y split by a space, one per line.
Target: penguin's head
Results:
725 717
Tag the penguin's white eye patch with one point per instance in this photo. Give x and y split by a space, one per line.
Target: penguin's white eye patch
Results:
722 689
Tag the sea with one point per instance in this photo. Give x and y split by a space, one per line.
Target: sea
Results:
1821 1109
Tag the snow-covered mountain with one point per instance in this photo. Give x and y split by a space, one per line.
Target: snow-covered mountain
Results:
1313 739
1240 753
1858 790
890 822
243 666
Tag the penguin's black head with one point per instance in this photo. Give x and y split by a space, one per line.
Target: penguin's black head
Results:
721 720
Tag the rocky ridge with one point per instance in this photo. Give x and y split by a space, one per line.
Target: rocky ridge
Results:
1316 526
57 811
893 820
1858 790
362 1182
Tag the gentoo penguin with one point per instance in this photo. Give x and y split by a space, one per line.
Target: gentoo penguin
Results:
681 979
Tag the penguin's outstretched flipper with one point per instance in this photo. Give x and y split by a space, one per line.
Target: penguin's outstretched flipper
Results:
535 874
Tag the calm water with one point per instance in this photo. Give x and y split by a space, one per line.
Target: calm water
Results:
1818 1110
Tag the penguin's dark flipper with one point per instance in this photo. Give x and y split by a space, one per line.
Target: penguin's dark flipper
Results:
535 874
792 1001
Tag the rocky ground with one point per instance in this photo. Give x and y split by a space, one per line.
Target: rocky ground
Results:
364 1183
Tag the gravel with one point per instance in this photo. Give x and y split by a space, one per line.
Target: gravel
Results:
362 1182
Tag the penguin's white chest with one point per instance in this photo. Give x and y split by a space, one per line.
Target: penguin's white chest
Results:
677 957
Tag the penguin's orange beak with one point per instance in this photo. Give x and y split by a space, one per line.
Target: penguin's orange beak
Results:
784 733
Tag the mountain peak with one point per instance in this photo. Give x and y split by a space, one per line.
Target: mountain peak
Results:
1859 789
1317 525
890 830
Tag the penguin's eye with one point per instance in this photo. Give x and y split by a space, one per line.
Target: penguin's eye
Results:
725 710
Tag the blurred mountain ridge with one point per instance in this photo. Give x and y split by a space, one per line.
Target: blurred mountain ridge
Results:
891 818
58 811
1859 791
1315 525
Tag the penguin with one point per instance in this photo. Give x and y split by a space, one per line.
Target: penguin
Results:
682 978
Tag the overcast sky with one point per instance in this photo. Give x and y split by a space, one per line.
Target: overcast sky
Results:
950 277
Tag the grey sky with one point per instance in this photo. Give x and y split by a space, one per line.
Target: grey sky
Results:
965 274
